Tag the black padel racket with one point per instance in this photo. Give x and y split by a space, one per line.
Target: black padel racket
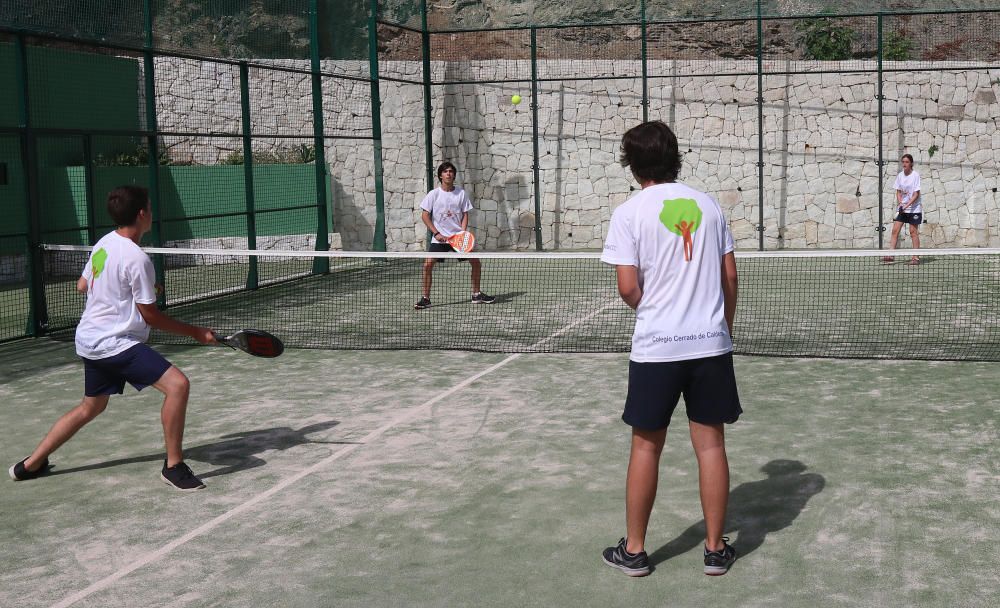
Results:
254 341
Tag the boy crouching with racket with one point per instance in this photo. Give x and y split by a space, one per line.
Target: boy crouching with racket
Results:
121 307
445 212
674 259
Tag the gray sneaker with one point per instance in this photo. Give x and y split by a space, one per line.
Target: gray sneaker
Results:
718 563
632 564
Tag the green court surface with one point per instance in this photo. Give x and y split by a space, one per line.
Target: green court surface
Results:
387 478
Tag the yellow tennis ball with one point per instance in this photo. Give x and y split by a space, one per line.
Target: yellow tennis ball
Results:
516 99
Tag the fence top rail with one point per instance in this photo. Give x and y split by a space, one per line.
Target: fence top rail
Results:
696 20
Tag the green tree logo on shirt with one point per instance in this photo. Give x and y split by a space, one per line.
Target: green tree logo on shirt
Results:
97 262
682 216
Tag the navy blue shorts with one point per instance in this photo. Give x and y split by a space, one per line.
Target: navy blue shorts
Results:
914 219
439 247
708 386
140 366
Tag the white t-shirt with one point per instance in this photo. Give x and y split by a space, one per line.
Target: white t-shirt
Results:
446 209
909 184
119 276
676 236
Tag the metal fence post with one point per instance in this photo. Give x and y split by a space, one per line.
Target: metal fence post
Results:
89 193
645 66
149 81
535 163
37 307
378 242
252 277
425 53
760 128
320 265
880 229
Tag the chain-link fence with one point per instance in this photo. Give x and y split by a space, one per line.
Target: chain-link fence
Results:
235 115
794 114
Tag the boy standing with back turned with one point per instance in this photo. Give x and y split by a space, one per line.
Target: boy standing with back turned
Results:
673 255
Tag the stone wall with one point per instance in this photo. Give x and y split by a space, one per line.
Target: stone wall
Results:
821 181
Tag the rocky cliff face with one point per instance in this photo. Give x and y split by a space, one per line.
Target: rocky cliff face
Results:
512 13
954 37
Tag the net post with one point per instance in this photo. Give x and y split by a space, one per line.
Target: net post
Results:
35 267
91 196
252 278
378 242
534 138
645 66
149 84
321 265
881 160
760 127
425 53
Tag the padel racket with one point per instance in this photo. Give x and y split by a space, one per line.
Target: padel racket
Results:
462 242
254 341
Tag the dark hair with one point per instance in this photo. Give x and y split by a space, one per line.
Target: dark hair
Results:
650 150
125 203
907 156
446 165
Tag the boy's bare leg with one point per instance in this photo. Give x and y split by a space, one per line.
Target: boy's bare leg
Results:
477 270
428 269
175 387
915 237
896 226
640 485
64 428
709 445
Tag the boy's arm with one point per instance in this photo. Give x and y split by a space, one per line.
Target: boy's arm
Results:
466 210
628 285
729 288
425 217
157 320
81 285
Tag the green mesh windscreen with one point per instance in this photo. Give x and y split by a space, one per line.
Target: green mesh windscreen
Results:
14 301
112 21
268 29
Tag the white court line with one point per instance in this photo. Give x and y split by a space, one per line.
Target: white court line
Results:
156 555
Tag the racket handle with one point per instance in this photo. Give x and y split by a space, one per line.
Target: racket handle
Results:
223 340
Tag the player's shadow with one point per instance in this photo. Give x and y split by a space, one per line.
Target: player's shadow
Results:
232 453
756 508
500 299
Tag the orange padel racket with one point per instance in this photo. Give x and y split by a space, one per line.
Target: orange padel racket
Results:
462 242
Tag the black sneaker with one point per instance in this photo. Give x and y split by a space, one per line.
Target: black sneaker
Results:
180 477
717 563
481 298
631 564
18 472
423 302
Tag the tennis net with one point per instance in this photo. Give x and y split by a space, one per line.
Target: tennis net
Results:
848 304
